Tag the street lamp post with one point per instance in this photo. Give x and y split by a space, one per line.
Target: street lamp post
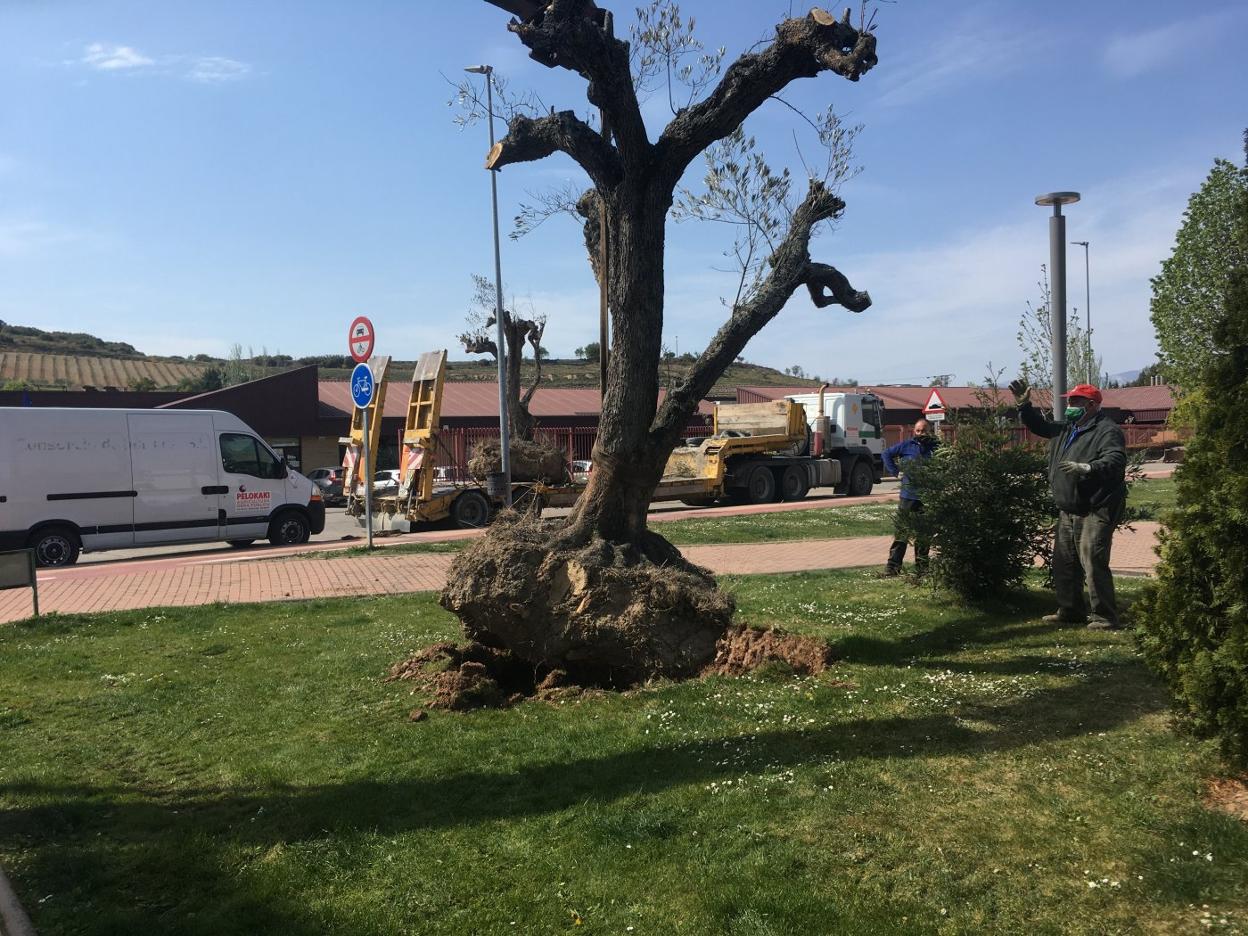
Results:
504 429
1057 305
1087 309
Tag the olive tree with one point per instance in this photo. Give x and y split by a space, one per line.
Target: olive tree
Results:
604 589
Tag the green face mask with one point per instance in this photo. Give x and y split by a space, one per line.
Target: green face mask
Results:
1074 413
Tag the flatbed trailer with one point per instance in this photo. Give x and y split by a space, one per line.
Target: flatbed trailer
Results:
757 453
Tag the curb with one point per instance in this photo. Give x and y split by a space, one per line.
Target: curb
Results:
13 919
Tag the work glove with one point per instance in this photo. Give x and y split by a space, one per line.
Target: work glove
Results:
1078 469
1022 392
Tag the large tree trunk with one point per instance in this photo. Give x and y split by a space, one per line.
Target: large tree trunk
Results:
626 466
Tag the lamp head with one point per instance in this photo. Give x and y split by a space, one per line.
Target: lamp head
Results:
479 69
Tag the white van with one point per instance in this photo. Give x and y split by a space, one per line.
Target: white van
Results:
93 479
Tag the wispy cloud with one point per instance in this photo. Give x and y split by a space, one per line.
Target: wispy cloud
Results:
1130 54
105 57
123 59
217 70
974 48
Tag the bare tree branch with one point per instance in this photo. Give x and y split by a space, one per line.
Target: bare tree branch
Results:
791 268
802 48
576 35
531 139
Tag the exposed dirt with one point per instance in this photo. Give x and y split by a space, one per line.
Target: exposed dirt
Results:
530 461
744 649
1228 795
461 677
607 615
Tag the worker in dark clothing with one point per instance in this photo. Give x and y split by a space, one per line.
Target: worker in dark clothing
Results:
1087 474
918 447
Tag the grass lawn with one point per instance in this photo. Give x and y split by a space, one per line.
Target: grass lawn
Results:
1152 496
813 523
245 770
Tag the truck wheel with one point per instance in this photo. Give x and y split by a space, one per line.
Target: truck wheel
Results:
794 483
55 546
761 486
240 544
860 479
698 500
289 529
470 510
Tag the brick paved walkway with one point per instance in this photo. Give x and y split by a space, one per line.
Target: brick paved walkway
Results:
131 586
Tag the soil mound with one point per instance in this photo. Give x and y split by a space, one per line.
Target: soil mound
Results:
530 461
460 677
744 649
607 615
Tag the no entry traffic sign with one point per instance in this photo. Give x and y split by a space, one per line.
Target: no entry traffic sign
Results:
360 339
362 385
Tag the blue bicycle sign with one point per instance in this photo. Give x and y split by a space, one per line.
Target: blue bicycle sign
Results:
362 385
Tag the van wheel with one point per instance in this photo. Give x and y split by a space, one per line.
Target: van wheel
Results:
55 546
860 480
240 544
761 486
470 510
794 483
289 529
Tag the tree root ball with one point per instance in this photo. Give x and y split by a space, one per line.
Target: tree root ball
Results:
606 615
530 461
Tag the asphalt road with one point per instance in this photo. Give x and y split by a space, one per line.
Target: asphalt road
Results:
341 528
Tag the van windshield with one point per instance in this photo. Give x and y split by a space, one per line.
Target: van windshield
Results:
243 454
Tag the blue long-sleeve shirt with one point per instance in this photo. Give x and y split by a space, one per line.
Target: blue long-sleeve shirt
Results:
912 449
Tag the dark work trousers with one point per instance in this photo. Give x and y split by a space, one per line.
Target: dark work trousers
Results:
922 545
1081 556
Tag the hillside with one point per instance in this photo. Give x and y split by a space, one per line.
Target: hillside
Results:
65 360
65 372
568 372
29 339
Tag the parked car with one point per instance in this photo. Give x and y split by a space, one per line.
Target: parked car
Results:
386 483
329 480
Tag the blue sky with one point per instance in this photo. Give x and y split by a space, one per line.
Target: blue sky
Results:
184 176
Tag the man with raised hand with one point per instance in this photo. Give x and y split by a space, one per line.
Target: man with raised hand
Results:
1087 474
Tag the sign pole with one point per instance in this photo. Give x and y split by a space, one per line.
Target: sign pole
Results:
368 486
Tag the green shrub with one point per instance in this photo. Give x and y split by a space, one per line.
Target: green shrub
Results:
986 506
1192 622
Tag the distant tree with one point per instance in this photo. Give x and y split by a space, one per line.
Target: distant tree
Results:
1188 294
143 384
589 352
939 380
1035 339
517 332
211 378
1145 377
1192 620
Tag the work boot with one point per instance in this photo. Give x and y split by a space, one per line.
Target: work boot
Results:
1063 617
888 572
1100 623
